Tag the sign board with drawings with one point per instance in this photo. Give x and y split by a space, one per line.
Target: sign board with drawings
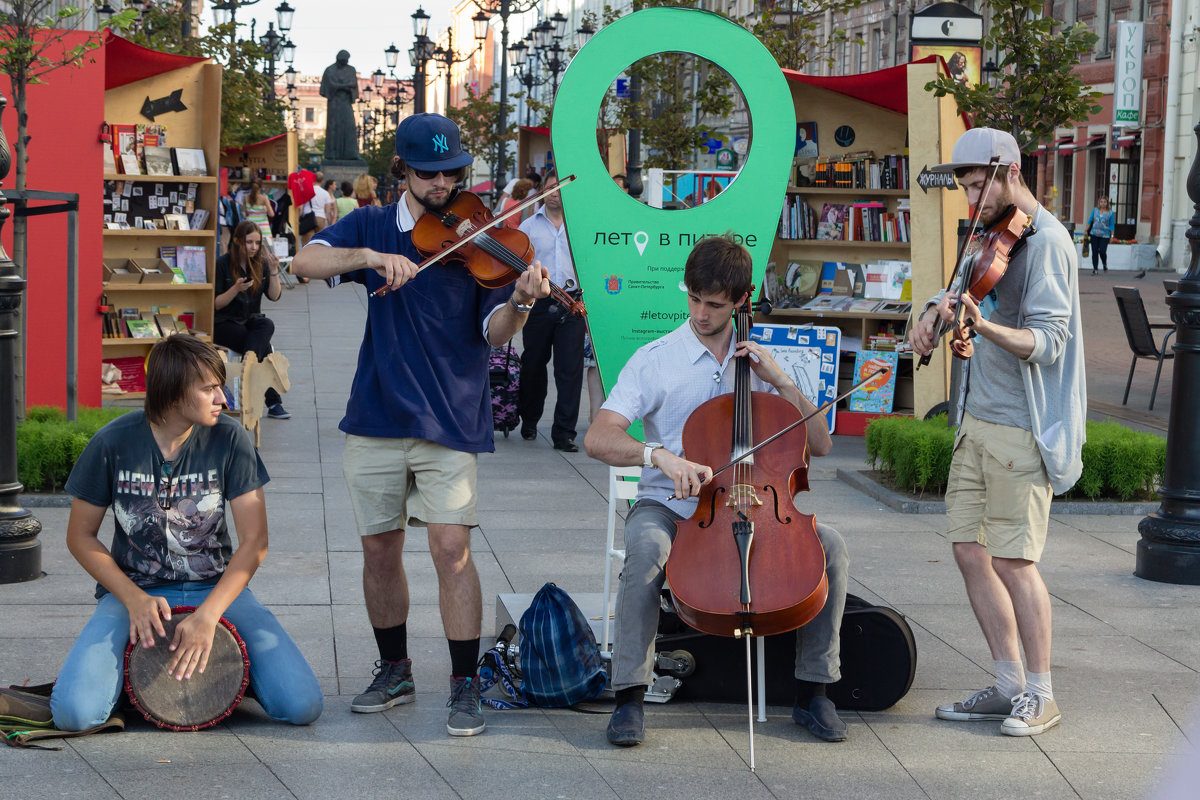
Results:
809 356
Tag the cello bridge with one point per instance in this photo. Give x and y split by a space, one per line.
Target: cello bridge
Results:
742 494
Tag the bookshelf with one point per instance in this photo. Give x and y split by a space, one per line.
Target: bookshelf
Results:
197 127
919 126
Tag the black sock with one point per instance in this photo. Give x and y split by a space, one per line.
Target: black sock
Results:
392 642
464 657
806 691
631 694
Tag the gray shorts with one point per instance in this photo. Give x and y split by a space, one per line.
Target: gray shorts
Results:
395 483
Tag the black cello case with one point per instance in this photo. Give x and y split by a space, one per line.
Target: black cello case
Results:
879 660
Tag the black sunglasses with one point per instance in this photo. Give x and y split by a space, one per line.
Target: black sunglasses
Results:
164 486
426 175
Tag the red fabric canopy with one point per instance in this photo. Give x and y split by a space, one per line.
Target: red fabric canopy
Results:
886 88
126 62
536 129
256 144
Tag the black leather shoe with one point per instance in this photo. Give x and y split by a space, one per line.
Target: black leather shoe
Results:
821 718
529 434
627 726
568 446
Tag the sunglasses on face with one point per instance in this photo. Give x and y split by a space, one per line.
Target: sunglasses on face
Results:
164 486
426 175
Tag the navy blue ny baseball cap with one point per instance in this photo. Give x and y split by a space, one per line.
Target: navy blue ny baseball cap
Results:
430 142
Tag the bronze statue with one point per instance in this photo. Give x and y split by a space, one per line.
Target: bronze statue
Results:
339 85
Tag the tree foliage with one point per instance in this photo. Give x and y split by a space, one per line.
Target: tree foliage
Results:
1039 92
249 112
477 122
791 30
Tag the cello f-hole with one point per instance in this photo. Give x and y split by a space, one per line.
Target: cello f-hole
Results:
775 500
712 510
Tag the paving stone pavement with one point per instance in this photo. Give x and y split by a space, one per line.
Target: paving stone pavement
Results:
1125 662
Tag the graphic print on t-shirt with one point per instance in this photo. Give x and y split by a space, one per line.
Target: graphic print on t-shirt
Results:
181 543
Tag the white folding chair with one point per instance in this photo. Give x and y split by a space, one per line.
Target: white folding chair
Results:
622 486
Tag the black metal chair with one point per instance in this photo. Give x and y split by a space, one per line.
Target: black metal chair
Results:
1140 333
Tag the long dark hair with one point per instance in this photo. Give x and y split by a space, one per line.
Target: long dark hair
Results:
238 256
174 365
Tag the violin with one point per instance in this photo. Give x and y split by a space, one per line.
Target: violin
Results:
991 253
747 562
495 257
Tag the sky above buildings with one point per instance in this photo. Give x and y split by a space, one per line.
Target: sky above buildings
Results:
363 27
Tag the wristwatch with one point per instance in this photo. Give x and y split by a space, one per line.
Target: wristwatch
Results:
524 309
649 451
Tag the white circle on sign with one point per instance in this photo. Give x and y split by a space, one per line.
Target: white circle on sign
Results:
741 145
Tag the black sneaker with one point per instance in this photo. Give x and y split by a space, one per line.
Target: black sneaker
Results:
392 685
277 411
466 711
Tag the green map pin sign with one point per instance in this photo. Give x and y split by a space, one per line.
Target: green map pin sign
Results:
628 256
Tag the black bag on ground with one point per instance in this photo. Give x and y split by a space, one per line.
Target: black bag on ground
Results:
879 660
504 374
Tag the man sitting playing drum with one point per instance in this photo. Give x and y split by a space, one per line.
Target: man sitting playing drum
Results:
179 453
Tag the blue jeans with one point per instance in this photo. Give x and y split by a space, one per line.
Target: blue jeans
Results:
92 678
649 533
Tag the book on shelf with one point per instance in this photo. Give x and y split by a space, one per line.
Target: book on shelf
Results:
893 307
829 271
142 328
189 161
165 323
192 260
862 170
828 302
158 160
885 279
130 165
863 305
879 395
833 221
199 219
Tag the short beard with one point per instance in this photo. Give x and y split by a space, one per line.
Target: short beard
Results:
432 206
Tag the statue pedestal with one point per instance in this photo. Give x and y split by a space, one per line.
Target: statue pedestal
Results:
343 169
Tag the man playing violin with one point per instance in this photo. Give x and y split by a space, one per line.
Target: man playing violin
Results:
1022 407
419 409
662 383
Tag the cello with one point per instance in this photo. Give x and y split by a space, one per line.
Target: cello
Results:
747 562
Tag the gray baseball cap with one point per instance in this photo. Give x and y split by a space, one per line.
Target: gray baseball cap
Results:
978 146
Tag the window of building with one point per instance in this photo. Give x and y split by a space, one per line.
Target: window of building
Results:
1103 23
862 52
877 49
1067 186
844 61
1124 188
309 114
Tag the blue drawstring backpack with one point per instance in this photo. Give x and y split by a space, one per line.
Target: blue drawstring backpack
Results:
560 660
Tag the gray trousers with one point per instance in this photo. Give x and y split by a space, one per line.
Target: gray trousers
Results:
649 531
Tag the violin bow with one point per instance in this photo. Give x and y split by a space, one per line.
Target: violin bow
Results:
959 272
802 420
433 259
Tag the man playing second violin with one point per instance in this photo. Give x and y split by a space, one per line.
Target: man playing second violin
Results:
661 385
419 409
1021 413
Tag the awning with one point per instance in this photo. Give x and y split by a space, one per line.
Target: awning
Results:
1095 142
486 186
1129 139
887 88
126 62
1065 145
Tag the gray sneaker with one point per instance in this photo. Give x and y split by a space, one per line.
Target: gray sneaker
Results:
985 704
466 712
392 685
1031 714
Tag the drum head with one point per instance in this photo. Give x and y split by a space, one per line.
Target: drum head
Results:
200 701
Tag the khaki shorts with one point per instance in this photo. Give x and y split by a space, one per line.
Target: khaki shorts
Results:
395 483
998 493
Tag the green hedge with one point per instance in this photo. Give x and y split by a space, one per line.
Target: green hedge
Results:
1118 463
48 445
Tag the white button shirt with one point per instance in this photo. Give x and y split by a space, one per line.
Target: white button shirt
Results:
661 384
550 248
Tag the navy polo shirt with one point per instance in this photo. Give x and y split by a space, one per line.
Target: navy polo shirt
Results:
423 365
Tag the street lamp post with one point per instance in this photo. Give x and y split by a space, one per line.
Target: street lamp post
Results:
540 58
20 550
1169 550
447 55
419 55
505 9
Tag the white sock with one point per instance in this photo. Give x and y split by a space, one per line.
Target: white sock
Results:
1039 683
1010 678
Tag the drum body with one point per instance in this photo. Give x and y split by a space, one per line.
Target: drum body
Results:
194 703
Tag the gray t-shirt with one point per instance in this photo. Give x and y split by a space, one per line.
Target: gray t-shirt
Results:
123 467
995 389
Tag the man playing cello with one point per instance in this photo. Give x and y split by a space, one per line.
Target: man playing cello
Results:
1020 437
663 382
